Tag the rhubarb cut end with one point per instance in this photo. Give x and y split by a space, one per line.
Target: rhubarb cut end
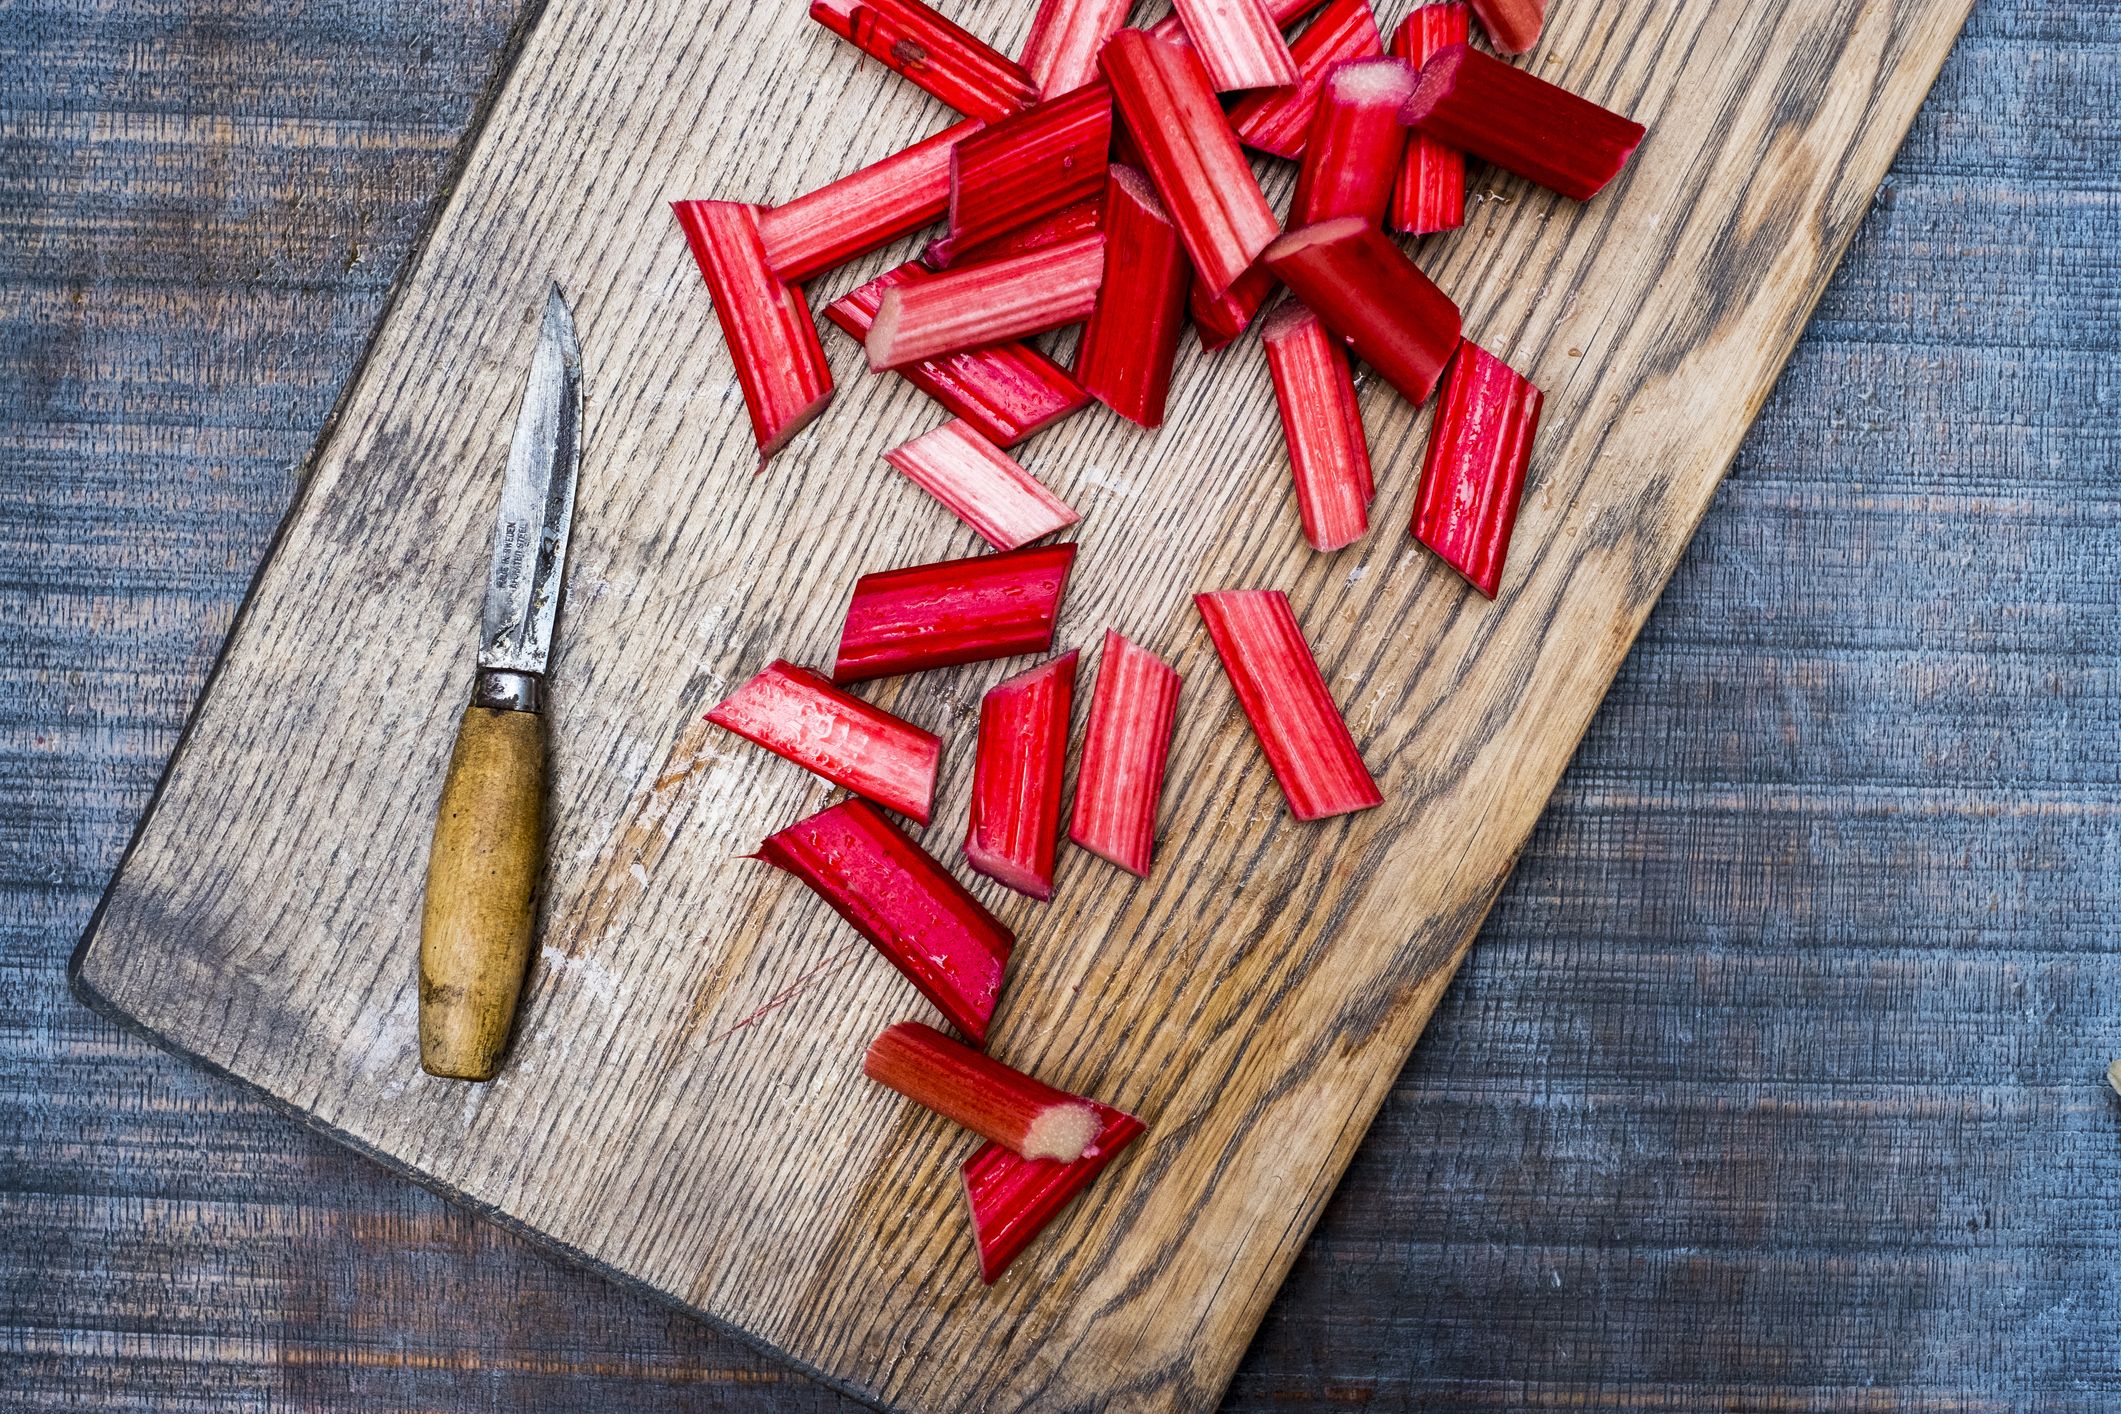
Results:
1008 872
1062 1133
1437 78
793 427
883 330
1317 233
1376 80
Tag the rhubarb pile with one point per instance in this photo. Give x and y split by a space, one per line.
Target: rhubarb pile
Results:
1100 179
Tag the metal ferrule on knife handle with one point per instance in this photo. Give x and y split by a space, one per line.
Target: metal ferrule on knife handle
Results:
483 868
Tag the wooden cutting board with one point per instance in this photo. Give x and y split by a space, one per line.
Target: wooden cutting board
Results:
684 1107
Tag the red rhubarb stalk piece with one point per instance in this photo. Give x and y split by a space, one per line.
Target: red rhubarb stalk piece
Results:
1005 392
1238 43
908 906
1351 158
938 55
799 716
766 322
1431 192
1012 1198
1061 52
983 485
1071 222
1125 747
1285 698
1191 155
863 210
1473 476
1363 286
1172 30
1128 346
974 306
953 611
1016 777
1275 120
1030 166
1328 456
1520 122
1220 318
1513 25
997 1102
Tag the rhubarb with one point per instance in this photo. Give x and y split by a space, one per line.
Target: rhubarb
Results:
1191 155
983 485
1220 318
1513 25
1328 456
1521 123
1012 1198
1351 157
826 228
1016 777
766 323
980 305
1121 780
1431 192
908 906
1005 393
937 54
954 611
1275 120
1172 30
1238 42
1473 476
1128 347
1031 165
1284 697
799 716
1061 52
1359 282
1000 1104
1071 222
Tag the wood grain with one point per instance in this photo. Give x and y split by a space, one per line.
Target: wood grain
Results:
1229 738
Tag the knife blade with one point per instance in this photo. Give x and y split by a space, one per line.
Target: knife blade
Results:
484 863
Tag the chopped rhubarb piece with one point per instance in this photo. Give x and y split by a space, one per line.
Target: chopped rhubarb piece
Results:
908 906
975 306
1030 166
998 1103
982 484
1125 358
1221 318
1016 777
772 342
1328 456
797 715
1132 711
1172 30
937 54
1071 222
1431 192
1238 43
1473 476
953 611
1005 393
1276 120
1513 25
1191 155
1520 122
1061 52
1285 698
863 210
1012 1198
1363 286
1351 158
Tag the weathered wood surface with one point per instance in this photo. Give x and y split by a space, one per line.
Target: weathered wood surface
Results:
684 1105
1821 869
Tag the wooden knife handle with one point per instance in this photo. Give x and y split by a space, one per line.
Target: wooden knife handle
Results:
482 879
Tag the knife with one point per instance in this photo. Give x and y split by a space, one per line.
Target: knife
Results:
482 870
